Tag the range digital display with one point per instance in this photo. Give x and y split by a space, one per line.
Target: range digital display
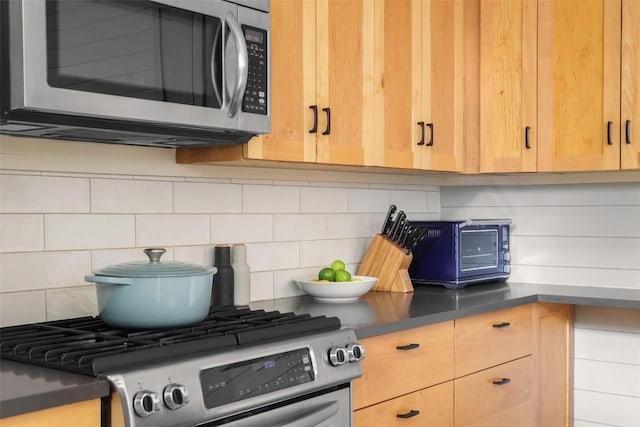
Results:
247 379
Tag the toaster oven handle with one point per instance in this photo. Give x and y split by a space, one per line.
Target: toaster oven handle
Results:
243 65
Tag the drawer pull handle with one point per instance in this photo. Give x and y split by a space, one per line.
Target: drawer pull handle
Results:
501 325
411 413
407 347
503 381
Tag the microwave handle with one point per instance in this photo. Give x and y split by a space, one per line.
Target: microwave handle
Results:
243 65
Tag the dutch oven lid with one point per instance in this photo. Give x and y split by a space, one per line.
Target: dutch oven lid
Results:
154 268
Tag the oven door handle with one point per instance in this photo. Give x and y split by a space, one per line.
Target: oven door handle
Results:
316 416
243 65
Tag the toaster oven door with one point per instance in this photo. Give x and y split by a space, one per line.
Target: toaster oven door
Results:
479 249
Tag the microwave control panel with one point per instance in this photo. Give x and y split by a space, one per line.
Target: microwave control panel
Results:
255 96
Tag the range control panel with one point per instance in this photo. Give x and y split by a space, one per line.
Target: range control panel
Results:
255 96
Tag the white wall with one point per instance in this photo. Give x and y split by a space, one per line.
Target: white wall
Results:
577 235
67 209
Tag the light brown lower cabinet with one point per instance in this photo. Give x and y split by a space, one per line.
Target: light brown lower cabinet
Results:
431 406
502 396
85 414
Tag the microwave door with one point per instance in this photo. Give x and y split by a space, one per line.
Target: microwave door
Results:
132 59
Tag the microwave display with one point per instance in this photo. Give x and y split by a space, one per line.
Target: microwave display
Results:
135 48
479 249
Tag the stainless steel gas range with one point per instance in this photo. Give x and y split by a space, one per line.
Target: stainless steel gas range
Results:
239 367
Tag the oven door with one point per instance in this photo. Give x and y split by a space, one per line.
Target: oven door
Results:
332 409
155 61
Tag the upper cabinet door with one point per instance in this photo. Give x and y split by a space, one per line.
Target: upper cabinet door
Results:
630 117
345 81
508 86
398 84
442 84
293 85
579 85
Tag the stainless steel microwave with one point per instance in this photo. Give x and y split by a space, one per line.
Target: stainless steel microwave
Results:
457 253
168 73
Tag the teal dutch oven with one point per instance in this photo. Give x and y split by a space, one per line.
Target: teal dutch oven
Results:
153 294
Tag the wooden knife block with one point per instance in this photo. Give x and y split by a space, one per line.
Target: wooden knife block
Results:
389 263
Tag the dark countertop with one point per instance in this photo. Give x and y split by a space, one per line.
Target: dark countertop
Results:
25 388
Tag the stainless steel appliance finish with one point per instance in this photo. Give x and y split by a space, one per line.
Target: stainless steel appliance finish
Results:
164 73
239 367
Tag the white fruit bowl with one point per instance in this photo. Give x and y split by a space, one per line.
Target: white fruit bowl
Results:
337 291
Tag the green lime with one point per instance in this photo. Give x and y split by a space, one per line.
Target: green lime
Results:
343 276
337 265
327 274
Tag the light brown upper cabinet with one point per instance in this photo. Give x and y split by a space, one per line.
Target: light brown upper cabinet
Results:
321 87
584 113
630 148
508 86
419 84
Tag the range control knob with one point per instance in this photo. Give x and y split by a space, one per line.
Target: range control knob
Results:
338 356
355 352
175 396
146 403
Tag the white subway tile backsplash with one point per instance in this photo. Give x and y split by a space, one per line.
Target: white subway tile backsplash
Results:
409 201
324 199
578 276
72 302
241 228
322 252
107 257
298 227
196 197
131 196
273 256
43 194
284 284
342 226
618 347
270 199
20 233
201 255
173 230
98 231
17 308
40 270
369 200
261 285
607 377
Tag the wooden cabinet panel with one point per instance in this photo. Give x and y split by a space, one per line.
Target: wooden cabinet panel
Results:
389 371
86 414
502 396
508 58
553 326
630 117
432 406
578 85
492 338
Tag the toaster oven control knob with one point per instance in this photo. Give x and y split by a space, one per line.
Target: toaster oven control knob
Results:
146 403
175 396
506 268
355 352
338 356
506 256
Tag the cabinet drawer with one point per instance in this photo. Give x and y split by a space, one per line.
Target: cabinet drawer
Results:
492 338
431 406
480 402
389 371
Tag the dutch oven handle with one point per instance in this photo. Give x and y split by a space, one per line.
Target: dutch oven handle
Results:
108 280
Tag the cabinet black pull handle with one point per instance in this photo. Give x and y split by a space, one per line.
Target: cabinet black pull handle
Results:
501 325
527 144
411 413
609 125
430 143
314 108
328 113
408 346
421 124
502 381
627 131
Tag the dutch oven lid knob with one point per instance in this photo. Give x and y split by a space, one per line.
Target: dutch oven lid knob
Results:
154 254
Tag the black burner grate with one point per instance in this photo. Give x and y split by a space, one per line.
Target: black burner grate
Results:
88 346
